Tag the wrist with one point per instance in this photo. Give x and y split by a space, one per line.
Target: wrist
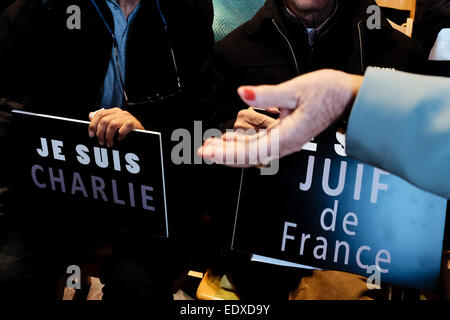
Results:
355 82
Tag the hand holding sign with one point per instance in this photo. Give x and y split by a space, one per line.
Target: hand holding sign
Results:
255 119
62 171
105 123
308 104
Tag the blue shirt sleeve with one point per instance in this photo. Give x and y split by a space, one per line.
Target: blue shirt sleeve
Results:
400 122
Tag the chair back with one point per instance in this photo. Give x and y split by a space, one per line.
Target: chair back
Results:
230 14
404 5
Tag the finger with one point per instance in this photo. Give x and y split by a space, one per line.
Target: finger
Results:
206 151
233 135
126 128
237 150
102 127
252 119
208 141
259 148
268 96
241 152
219 152
97 117
113 126
241 119
243 125
262 121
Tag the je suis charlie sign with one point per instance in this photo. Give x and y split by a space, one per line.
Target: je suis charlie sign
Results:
64 171
327 211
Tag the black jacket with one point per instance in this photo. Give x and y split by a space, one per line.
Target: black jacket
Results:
431 17
59 71
271 49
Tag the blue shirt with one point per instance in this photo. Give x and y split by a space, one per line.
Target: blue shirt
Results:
112 93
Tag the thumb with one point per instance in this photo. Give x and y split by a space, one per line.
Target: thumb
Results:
268 96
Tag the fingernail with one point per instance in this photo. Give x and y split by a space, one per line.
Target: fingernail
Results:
91 134
249 94
101 143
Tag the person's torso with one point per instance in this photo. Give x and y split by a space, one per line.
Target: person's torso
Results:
274 52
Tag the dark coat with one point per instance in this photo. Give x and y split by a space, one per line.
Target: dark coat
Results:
268 49
59 71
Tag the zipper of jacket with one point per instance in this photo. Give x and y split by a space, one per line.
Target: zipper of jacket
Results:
289 45
360 47
292 50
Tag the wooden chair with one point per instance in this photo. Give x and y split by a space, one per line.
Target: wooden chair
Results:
405 5
445 275
90 268
216 287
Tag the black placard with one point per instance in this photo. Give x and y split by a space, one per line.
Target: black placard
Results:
59 168
327 211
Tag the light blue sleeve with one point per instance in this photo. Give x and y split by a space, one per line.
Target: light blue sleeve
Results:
400 122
